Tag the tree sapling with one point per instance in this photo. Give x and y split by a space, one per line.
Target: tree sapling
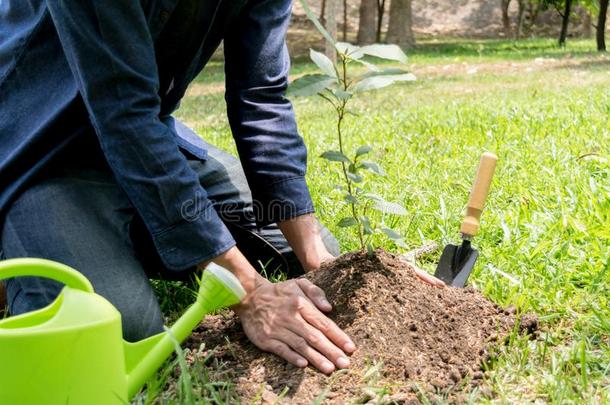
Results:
338 84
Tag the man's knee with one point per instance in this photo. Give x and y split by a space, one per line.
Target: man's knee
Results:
26 294
60 220
141 319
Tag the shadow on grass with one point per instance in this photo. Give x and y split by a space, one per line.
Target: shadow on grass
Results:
598 65
500 48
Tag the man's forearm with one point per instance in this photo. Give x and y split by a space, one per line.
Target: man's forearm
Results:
304 236
234 261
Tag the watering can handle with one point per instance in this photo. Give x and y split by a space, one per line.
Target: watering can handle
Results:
44 268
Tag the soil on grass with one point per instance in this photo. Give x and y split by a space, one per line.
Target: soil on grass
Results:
413 339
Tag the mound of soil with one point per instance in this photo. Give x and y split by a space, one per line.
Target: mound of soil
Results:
412 338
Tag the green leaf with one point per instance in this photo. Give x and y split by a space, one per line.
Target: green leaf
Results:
363 150
312 17
356 178
402 77
351 199
386 207
392 234
347 222
335 156
373 197
342 94
378 82
323 63
385 72
352 168
388 52
400 243
395 236
369 250
372 167
368 65
349 50
366 225
309 85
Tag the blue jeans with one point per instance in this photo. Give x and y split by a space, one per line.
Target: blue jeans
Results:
81 217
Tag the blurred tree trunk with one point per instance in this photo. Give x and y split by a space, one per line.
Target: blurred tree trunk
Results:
505 18
601 25
322 11
520 17
331 27
586 23
380 13
400 28
367 23
565 21
533 9
344 21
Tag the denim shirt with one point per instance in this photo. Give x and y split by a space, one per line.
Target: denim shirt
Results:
73 68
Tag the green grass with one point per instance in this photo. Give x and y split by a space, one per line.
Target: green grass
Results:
545 237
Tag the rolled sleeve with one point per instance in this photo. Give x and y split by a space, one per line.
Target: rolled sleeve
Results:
193 241
283 200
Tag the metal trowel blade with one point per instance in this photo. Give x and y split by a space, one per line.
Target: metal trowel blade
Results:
456 264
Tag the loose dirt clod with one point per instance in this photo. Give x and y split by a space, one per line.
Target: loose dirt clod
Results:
412 339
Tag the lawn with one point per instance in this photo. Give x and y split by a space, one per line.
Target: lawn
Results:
545 238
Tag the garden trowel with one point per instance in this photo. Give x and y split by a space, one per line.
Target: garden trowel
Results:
456 262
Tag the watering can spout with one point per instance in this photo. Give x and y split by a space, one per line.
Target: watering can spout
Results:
219 289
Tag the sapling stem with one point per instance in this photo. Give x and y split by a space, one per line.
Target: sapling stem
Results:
329 99
348 182
340 110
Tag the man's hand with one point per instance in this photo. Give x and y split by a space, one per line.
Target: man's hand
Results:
286 319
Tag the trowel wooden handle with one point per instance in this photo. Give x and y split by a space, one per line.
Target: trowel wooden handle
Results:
478 194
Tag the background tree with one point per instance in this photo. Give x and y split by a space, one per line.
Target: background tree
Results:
505 4
533 10
367 23
520 17
322 16
344 20
400 28
565 9
586 23
601 25
565 20
331 28
527 15
380 14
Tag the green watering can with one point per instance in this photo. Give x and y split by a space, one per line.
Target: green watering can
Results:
72 351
